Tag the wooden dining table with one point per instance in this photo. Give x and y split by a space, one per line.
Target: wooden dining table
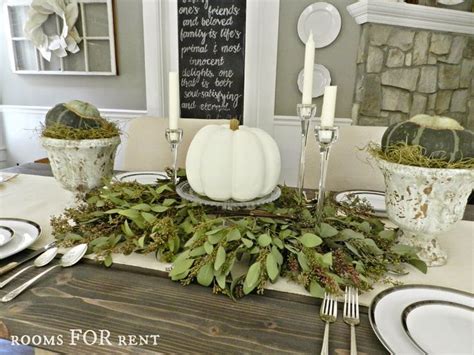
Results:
143 311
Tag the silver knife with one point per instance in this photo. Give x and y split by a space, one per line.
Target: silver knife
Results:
14 264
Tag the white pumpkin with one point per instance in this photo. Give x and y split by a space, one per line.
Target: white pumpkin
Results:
236 162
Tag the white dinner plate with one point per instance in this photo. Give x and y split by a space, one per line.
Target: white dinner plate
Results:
323 20
26 233
439 327
142 177
375 198
450 2
386 309
6 234
321 79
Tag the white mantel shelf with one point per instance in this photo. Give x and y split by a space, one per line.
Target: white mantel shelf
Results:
410 15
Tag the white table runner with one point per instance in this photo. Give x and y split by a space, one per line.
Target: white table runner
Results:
38 198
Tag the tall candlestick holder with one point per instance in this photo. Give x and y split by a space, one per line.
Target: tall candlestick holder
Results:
174 138
325 136
305 112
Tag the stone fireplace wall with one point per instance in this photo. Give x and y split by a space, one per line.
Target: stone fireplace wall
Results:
402 72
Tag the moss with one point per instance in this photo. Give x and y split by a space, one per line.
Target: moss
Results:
60 131
402 153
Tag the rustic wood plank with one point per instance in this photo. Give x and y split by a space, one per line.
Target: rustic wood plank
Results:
188 319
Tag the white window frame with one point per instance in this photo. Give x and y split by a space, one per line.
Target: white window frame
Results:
39 66
160 31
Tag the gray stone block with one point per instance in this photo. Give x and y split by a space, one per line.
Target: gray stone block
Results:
396 117
395 58
420 48
374 59
405 78
440 43
456 52
470 117
428 79
467 72
443 100
432 59
459 101
408 59
372 121
448 76
431 102
394 99
372 96
418 105
401 38
469 50
362 50
379 34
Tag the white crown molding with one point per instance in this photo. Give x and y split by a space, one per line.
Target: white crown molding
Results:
42 110
410 15
295 121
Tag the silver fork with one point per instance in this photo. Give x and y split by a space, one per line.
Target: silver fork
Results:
328 313
351 314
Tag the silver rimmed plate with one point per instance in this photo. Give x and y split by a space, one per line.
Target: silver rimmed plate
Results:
376 199
440 327
321 79
323 20
186 192
26 233
6 234
142 177
386 310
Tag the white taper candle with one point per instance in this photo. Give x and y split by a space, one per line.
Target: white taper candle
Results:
329 106
173 101
308 71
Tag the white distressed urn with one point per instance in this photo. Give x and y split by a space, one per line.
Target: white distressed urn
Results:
81 165
425 202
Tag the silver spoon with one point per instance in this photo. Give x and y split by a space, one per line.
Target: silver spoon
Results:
71 257
42 260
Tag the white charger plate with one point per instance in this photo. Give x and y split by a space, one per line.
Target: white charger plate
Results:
323 20
375 198
321 79
6 234
439 327
142 177
26 233
386 310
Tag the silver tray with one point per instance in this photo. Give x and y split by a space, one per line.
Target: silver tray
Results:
186 192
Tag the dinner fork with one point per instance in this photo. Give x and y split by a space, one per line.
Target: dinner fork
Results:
351 314
328 313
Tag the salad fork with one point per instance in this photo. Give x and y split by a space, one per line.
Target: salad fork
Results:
327 313
351 314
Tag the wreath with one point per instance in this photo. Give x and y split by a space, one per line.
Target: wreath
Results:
67 40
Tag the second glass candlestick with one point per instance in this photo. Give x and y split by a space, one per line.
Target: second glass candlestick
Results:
325 136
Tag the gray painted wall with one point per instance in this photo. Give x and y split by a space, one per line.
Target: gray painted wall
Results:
339 57
125 91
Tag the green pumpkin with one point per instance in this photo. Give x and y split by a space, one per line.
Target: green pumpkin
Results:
441 137
75 114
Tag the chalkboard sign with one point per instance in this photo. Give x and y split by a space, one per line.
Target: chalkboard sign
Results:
211 58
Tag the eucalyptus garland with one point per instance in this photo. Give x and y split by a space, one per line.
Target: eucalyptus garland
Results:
282 239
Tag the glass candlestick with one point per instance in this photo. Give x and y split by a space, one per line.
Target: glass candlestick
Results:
174 138
325 136
305 112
